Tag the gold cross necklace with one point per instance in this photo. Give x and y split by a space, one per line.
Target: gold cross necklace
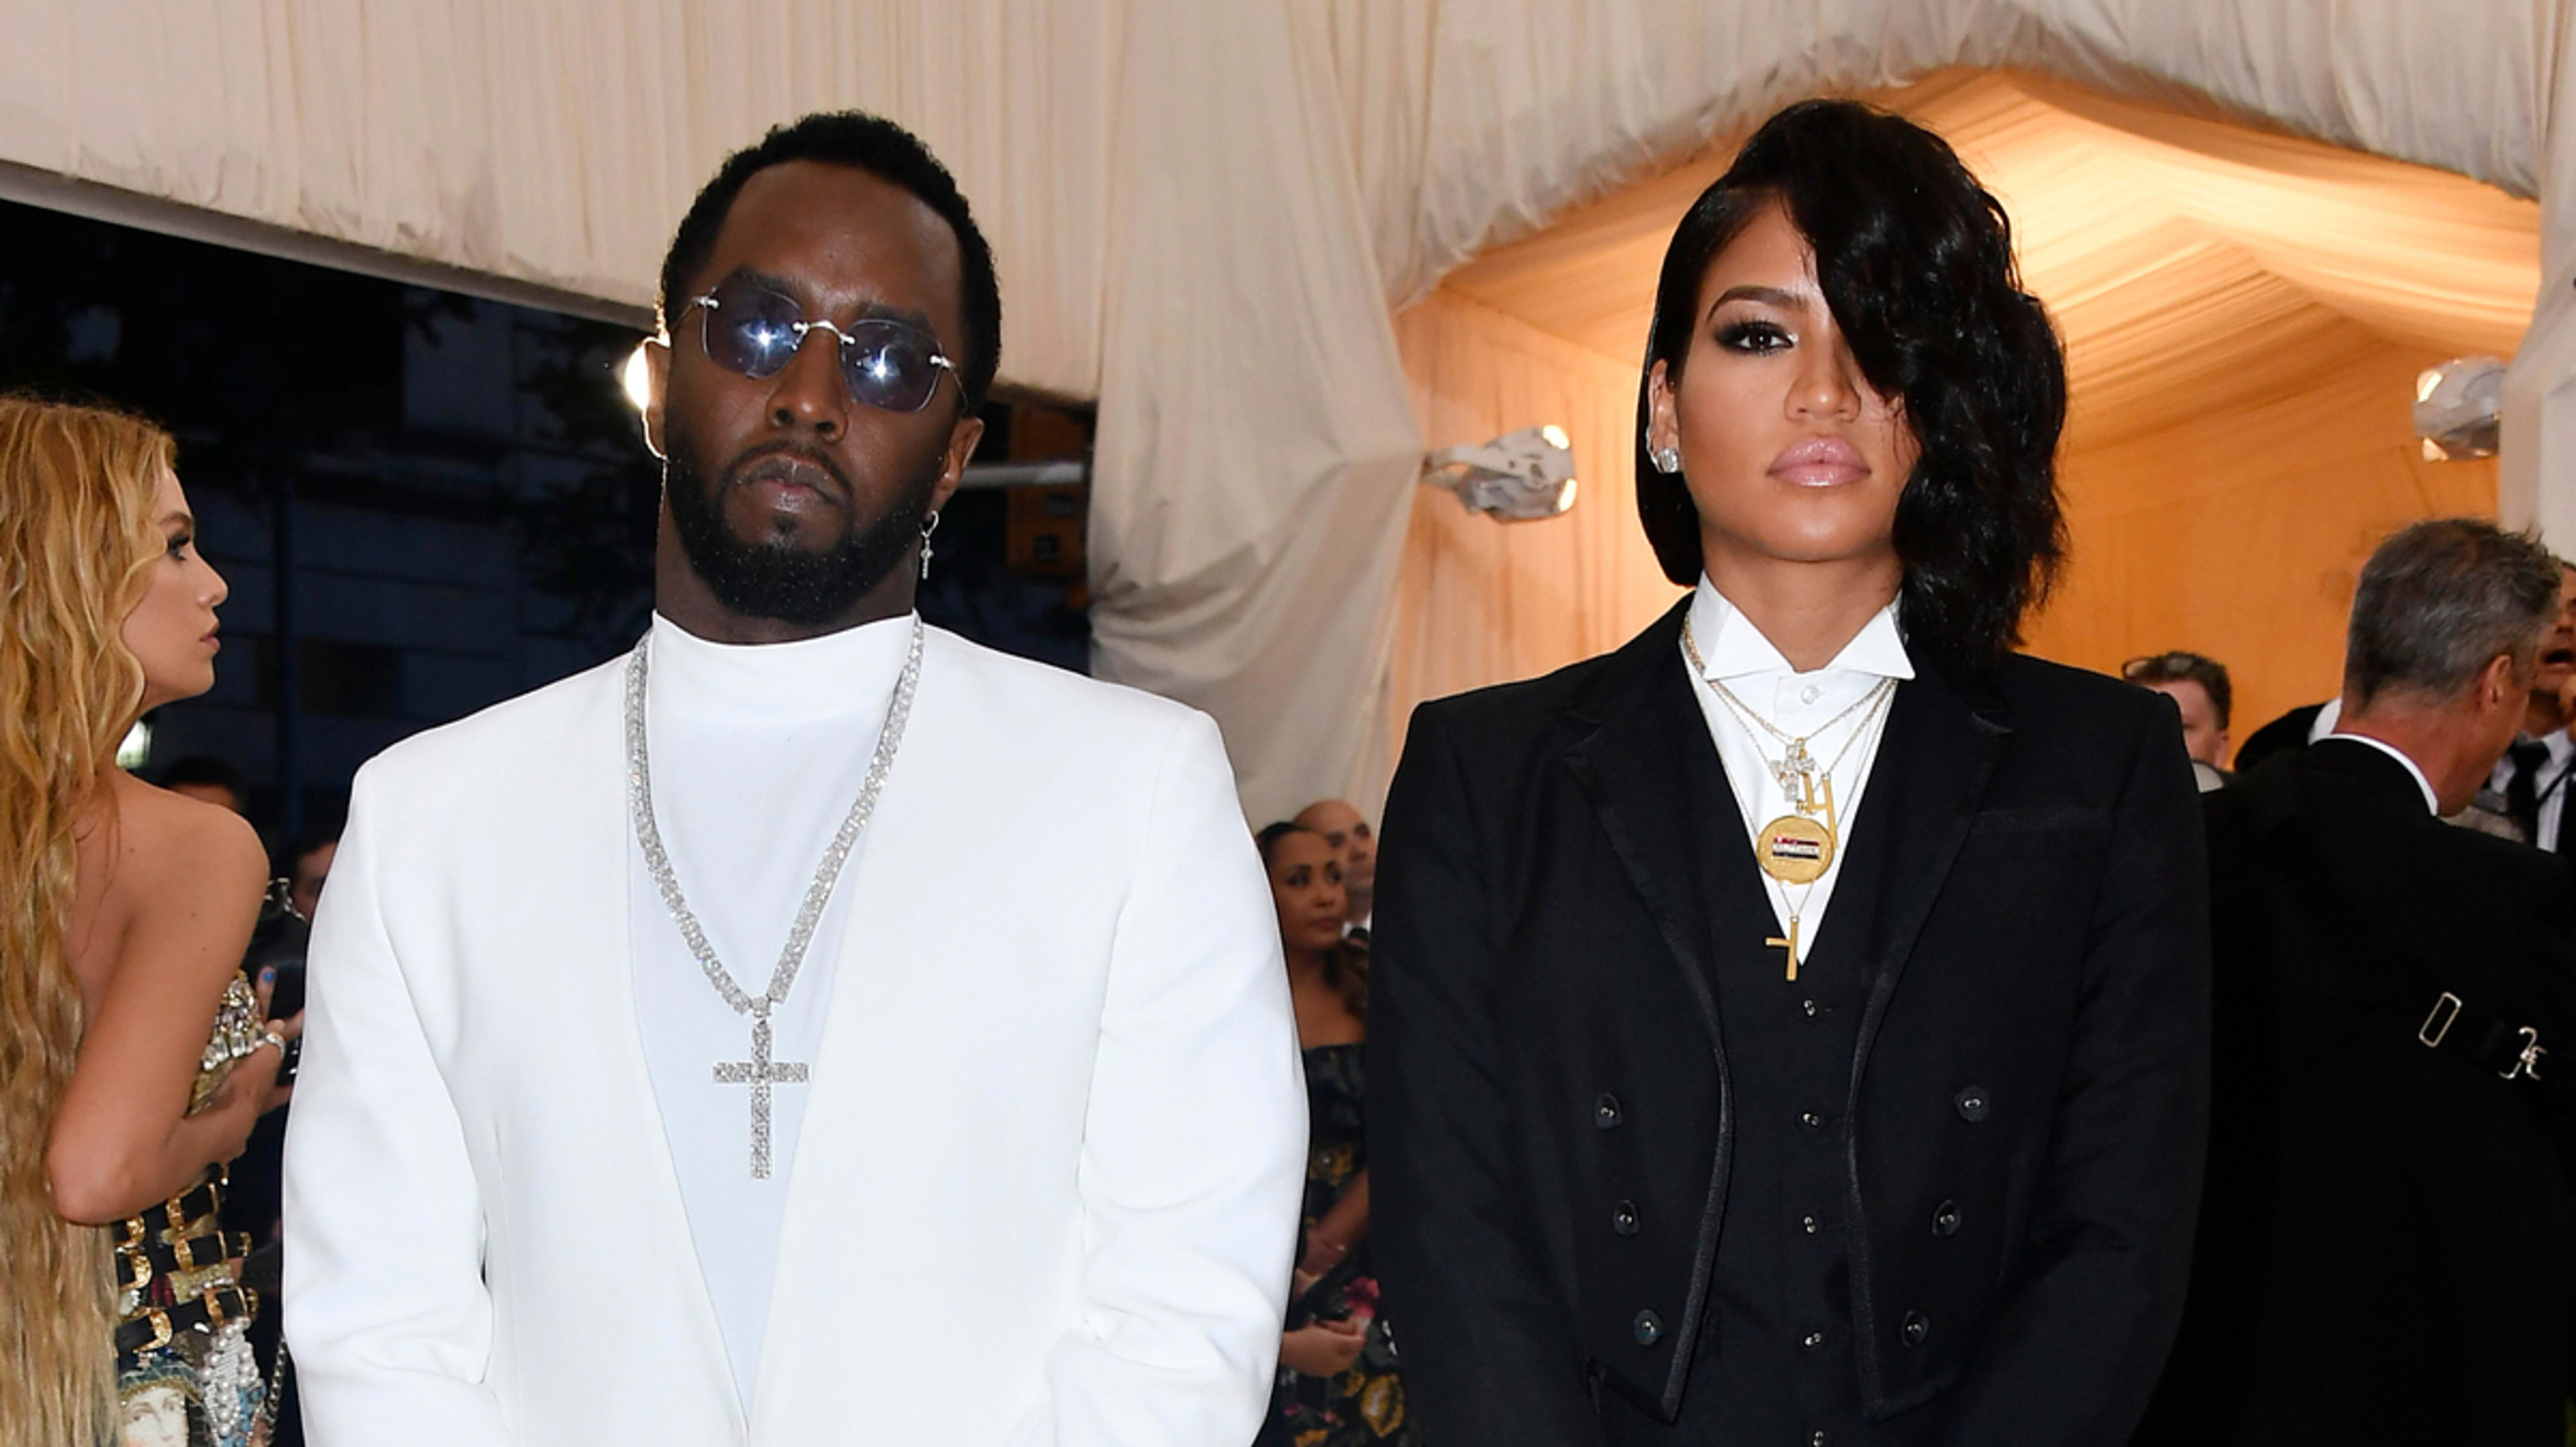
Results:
1798 847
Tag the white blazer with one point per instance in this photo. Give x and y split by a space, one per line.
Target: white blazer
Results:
1049 1182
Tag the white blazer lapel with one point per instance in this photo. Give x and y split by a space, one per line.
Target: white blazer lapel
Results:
614 1157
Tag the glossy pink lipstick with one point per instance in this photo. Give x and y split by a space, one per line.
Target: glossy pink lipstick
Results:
1819 462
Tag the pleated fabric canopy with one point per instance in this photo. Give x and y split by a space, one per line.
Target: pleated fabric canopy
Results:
1230 224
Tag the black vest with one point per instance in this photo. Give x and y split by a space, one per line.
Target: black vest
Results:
1774 1365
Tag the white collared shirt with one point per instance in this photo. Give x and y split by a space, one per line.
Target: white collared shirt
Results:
2415 771
1737 655
2550 785
758 752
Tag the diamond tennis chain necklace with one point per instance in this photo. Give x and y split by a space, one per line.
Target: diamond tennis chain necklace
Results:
759 1072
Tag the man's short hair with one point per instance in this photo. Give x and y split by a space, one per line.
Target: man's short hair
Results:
305 841
2441 600
882 149
2182 667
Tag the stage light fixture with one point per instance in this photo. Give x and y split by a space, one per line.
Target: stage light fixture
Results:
2457 408
1518 477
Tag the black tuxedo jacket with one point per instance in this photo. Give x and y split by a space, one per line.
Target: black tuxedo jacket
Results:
2284 735
2026 892
2388 1253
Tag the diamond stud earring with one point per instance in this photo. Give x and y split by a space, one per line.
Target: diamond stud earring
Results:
1667 460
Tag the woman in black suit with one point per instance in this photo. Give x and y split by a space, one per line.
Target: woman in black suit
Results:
1791 1027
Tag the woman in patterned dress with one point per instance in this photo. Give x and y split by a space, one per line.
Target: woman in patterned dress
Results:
1337 1383
133 1061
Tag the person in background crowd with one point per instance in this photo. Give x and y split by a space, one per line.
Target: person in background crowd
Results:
133 1060
256 1201
1347 831
1792 1027
2387 1250
207 778
2198 687
1337 1384
2529 784
310 865
2289 733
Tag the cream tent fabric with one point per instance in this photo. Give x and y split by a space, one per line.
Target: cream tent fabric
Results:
2245 315
1205 211
557 141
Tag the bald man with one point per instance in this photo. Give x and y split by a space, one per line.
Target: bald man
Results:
1351 838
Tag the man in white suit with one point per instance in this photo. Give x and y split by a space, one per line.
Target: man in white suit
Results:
591 1147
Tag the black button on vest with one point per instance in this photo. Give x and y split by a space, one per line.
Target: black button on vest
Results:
1650 1328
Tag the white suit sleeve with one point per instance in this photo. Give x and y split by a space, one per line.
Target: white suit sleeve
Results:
1194 1146
386 1311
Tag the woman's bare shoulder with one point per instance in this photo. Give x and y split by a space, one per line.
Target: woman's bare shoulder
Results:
171 848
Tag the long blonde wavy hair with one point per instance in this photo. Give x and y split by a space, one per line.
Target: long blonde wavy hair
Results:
77 540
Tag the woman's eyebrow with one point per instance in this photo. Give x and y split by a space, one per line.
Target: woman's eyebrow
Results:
1767 295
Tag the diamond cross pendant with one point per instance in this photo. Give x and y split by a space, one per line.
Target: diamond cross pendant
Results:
1794 768
760 1074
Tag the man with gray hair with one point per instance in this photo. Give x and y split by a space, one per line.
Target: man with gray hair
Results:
2387 1251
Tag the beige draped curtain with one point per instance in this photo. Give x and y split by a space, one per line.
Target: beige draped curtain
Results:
556 142
1206 215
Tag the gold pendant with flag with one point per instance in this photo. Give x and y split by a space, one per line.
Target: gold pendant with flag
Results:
1798 848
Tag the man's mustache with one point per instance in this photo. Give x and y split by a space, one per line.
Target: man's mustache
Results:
783 461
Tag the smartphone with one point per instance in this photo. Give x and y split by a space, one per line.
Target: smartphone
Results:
286 997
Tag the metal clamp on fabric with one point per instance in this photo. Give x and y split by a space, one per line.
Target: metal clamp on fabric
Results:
153 1328
2527 1064
2480 1037
2437 1025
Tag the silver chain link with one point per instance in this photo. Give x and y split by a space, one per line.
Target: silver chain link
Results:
639 795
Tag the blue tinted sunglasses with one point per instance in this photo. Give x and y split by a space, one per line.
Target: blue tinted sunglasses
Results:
749 329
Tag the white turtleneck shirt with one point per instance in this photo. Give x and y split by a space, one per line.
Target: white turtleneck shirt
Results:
1798 704
757 754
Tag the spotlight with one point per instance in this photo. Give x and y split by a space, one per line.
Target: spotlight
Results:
637 378
2456 407
1518 477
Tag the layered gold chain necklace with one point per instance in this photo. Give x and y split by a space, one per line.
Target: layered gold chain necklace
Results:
1798 847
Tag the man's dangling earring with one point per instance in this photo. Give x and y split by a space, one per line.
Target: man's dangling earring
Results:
929 525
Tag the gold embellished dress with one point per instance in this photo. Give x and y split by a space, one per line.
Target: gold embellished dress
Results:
185 1375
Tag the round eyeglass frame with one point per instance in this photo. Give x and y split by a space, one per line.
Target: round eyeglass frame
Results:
709 303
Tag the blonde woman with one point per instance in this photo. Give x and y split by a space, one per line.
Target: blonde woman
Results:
133 1062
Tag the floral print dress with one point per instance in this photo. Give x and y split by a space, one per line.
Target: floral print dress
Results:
1364 1406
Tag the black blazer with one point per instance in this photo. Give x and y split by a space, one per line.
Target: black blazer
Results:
2030 895
2284 735
2388 1253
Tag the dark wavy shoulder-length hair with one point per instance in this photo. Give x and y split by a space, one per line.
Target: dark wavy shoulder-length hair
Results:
1346 965
1915 259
